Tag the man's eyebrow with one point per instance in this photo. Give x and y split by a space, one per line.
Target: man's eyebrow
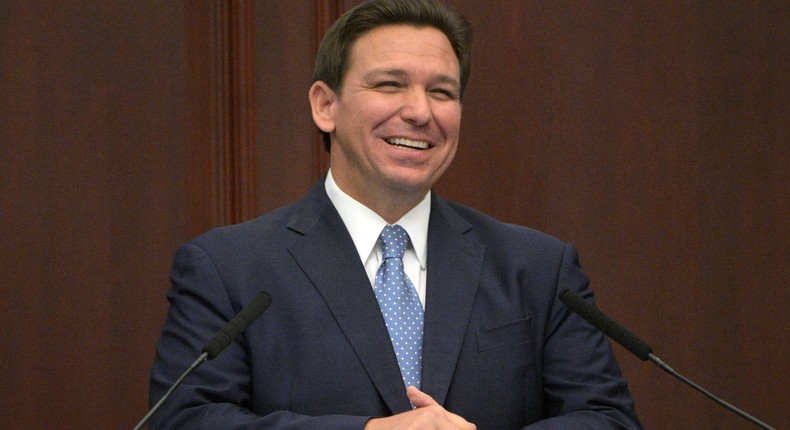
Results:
396 73
449 80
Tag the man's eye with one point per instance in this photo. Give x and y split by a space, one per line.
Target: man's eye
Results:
445 94
387 84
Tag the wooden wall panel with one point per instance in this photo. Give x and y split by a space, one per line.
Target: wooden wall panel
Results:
652 135
289 157
92 205
221 112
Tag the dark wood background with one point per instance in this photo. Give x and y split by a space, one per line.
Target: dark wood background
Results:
652 135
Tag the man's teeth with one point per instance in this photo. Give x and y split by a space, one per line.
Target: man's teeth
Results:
416 144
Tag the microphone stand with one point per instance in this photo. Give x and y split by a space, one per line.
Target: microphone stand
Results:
732 408
639 348
218 343
161 401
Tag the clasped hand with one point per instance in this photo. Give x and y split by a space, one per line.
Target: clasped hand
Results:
426 415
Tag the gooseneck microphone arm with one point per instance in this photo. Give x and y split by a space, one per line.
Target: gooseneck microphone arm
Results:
638 347
217 344
161 401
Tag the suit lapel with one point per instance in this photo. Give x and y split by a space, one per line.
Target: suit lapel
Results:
327 255
455 262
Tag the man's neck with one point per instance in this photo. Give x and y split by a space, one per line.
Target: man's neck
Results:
389 204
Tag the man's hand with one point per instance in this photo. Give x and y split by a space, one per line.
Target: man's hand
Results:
427 415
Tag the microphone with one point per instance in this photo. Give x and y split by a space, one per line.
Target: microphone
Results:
638 347
238 324
217 344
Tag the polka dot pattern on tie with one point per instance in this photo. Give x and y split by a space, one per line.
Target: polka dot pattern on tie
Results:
400 304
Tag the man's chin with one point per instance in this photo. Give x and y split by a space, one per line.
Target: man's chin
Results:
410 184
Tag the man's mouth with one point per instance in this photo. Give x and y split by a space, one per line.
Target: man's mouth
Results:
408 143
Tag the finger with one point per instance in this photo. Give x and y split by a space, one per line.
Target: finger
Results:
422 400
418 398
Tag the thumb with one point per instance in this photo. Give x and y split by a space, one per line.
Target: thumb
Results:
419 399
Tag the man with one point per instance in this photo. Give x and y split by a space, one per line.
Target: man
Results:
489 344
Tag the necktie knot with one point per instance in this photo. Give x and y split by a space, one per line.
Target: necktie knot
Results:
394 241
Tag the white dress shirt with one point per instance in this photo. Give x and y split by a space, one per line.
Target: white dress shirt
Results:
365 226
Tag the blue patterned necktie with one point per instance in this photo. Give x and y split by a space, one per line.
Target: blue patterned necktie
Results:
400 304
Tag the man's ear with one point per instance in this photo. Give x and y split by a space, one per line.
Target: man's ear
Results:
323 102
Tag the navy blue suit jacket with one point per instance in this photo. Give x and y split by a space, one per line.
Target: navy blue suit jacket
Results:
499 348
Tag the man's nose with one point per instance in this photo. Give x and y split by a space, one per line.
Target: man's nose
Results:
416 108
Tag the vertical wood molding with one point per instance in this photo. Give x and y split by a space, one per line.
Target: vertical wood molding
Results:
221 112
238 113
325 12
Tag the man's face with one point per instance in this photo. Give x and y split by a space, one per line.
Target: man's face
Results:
396 122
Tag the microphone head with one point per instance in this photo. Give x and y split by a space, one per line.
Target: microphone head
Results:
608 326
237 325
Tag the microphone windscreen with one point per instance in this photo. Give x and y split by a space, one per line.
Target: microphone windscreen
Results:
607 325
237 325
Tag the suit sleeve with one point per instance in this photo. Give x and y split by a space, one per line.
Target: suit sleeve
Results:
216 395
583 385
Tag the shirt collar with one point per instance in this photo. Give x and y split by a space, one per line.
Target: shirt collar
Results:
364 225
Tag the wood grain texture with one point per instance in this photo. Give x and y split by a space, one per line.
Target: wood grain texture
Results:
652 135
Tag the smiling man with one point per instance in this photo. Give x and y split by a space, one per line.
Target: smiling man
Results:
391 307
394 125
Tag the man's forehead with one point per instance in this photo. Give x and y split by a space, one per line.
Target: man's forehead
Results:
381 42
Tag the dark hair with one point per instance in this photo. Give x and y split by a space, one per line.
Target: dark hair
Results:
332 59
